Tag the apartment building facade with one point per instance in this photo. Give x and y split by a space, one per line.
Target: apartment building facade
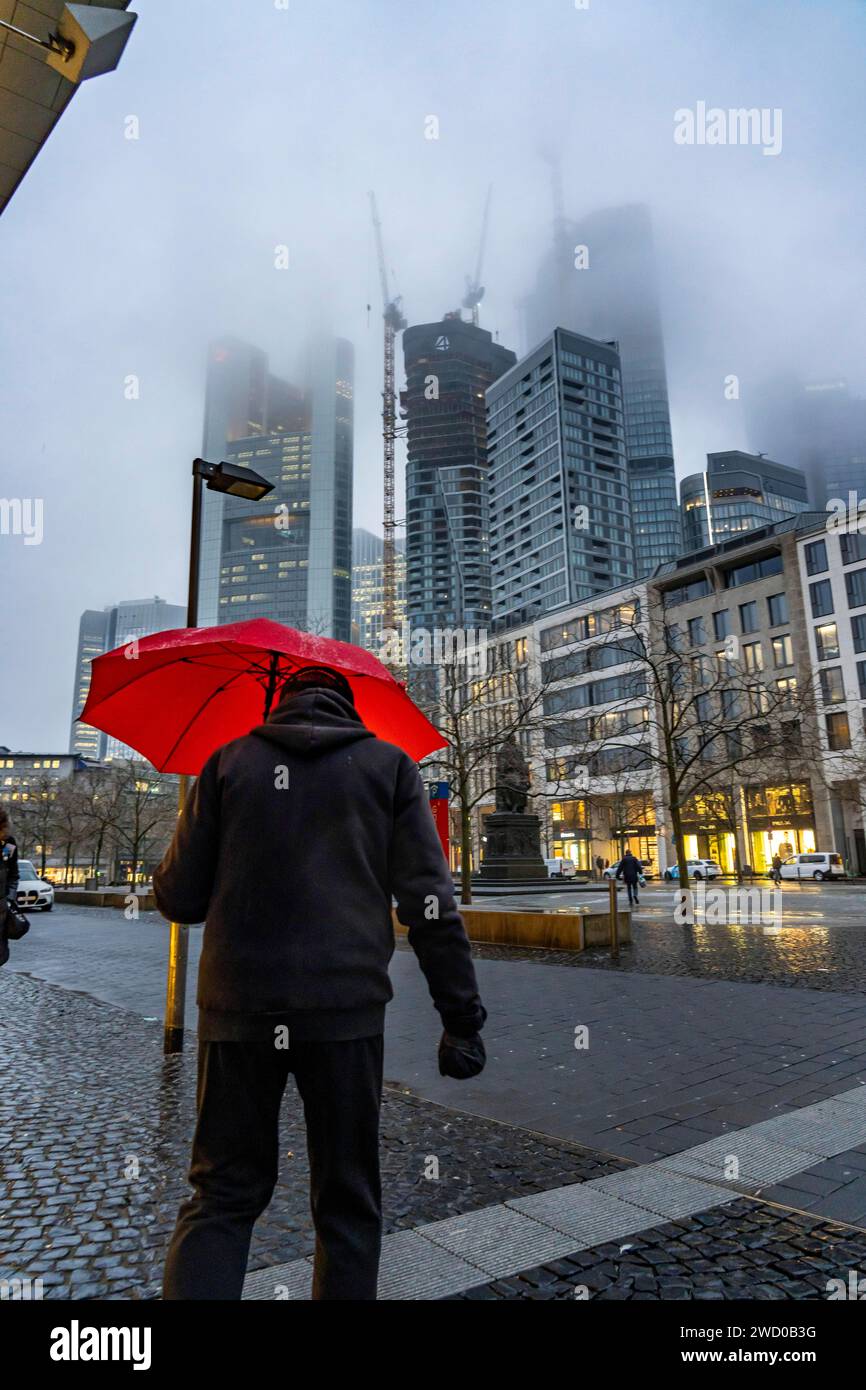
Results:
784 608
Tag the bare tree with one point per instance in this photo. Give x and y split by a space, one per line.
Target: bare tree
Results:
476 714
147 811
102 794
34 819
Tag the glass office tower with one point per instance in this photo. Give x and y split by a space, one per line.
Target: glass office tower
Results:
738 492
560 514
611 294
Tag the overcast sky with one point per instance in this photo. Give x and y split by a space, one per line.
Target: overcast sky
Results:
261 126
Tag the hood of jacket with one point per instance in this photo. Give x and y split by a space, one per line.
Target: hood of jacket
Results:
313 722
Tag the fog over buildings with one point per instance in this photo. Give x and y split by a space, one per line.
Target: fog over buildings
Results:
257 128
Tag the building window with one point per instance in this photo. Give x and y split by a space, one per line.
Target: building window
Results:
787 688
721 623
777 607
748 617
816 558
858 632
827 642
757 569
855 585
821 598
838 733
753 656
832 686
697 636
520 650
861 677
852 544
704 708
783 652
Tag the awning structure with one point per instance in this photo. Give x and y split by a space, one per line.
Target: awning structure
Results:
33 95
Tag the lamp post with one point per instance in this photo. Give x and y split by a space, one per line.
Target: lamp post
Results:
228 478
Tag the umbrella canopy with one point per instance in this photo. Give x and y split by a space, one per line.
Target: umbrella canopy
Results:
177 696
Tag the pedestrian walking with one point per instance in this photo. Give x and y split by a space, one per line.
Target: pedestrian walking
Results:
8 884
291 847
776 870
629 870
599 866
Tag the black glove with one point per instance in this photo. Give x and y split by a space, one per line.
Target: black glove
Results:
461 1058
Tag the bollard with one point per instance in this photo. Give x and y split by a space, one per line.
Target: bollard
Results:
614 920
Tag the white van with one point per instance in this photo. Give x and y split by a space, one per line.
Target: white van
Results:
816 866
560 868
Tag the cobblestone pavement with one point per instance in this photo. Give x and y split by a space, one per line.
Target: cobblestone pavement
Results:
670 1060
94 1132
745 1250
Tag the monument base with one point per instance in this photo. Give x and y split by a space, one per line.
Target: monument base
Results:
513 850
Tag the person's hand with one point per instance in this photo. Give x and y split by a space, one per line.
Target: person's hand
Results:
461 1058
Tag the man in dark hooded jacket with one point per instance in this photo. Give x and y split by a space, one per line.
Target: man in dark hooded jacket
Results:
629 870
290 848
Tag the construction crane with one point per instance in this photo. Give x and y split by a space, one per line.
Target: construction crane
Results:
474 288
394 323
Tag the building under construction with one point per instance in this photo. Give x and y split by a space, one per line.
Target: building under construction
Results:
449 366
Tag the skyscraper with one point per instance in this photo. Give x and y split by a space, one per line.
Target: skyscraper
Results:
93 629
738 492
449 366
560 523
289 557
368 588
115 626
599 279
236 394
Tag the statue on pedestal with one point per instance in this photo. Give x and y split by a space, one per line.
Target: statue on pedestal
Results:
512 778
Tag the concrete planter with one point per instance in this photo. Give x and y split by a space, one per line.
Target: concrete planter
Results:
554 931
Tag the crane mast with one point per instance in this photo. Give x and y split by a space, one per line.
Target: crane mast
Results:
474 288
394 322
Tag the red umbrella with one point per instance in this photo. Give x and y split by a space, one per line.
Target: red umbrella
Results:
176 696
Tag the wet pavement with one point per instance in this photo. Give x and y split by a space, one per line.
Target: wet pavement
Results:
590 1069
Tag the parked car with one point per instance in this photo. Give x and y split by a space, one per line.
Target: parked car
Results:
610 871
561 868
33 891
698 869
818 865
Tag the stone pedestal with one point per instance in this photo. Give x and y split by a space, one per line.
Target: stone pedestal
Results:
513 850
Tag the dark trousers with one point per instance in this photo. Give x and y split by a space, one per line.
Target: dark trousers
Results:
235 1161
632 891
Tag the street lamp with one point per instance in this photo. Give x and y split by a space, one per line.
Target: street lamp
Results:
236 481
89 40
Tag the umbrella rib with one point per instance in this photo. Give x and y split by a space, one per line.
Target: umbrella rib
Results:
173 660
183 733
